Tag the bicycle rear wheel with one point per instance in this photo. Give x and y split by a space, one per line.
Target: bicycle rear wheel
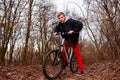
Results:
52 64
73 64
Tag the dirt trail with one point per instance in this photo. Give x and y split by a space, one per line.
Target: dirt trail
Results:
108 70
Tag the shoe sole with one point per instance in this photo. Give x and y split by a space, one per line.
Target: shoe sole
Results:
80 74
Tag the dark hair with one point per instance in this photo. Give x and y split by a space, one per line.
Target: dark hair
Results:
60 13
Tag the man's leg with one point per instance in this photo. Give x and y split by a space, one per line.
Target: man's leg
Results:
78 57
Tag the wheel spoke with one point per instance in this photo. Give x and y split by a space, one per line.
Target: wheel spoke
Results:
52 65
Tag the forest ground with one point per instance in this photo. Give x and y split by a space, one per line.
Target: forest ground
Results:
106 70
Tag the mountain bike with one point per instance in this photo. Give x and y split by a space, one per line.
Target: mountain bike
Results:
53 62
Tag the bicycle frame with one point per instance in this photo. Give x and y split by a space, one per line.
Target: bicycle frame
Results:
55 60
68 56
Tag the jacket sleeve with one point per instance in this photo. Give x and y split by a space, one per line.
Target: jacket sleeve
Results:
77 25
56 29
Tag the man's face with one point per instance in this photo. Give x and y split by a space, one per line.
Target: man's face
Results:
61 18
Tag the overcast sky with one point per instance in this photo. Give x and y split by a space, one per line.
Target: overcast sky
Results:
62 5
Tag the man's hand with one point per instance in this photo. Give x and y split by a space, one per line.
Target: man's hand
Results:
55 33
70 32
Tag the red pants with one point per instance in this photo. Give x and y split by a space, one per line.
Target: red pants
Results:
76 53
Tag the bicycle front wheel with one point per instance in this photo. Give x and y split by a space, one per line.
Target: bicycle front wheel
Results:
73 64
52 64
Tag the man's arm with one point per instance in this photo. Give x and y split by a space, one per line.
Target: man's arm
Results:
77 25
56 30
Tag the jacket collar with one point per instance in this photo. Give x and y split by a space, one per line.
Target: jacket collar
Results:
66 19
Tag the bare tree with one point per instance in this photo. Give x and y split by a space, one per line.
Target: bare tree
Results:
8 22
102 17
26 53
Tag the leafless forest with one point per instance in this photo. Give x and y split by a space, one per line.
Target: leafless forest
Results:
26 28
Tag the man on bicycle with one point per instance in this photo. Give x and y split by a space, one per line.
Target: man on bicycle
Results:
71 40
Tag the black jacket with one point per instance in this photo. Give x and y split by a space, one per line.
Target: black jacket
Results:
70 24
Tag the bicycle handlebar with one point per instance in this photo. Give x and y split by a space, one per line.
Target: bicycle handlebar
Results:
64 33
